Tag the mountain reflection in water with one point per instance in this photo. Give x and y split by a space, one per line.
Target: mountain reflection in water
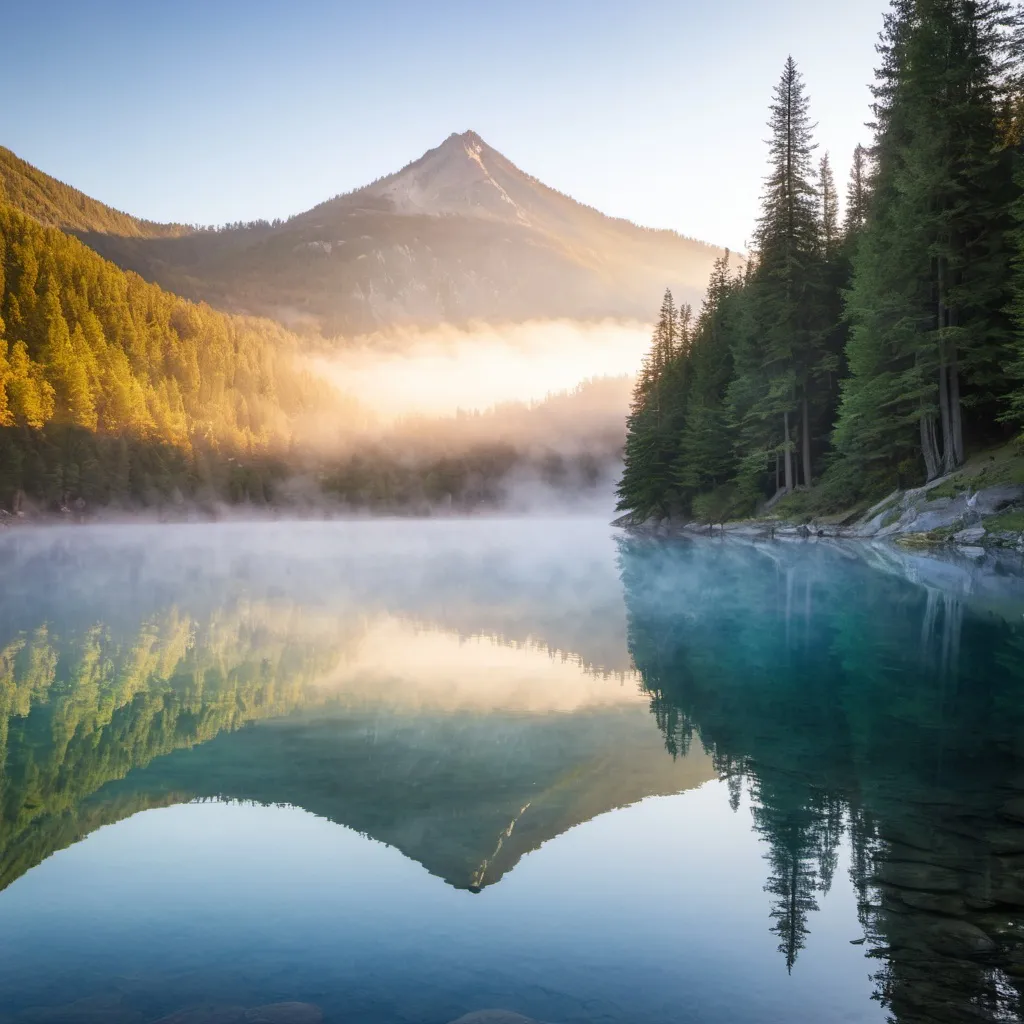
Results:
476 698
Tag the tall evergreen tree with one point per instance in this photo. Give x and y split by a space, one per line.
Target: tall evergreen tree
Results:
857 193
930 281
774 400
706 460
652 430
828 209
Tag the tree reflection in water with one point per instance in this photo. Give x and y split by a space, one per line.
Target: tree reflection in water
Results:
847 699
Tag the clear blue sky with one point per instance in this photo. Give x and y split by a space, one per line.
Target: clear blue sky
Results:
217 110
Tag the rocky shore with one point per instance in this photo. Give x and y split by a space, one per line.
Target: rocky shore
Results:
931 517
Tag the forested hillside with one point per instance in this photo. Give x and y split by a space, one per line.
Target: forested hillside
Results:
859 353
112 390
58 205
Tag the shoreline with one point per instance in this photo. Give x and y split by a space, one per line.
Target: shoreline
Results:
971 523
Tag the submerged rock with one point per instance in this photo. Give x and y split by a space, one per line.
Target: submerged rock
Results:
1006 840
916 875
284 1013
1014 808
957 938
494 1017
207 1013
935 903
90 1010
1007 894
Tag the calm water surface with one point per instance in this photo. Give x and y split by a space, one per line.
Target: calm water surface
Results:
401 772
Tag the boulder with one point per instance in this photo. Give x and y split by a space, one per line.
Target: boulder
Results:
871 527
972 535
993 499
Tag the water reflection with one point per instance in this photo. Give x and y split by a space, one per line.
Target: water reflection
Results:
119 649
848 699
466 695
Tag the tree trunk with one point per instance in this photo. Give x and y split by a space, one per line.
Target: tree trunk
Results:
807 445
949 383
776 472
956 414
928 446
945 419
788 454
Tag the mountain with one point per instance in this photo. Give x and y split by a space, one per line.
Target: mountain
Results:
460 234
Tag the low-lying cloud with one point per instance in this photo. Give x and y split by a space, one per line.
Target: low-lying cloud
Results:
401 373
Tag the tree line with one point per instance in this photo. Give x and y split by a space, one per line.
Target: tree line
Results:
867 351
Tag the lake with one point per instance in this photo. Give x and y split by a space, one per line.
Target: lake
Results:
394 771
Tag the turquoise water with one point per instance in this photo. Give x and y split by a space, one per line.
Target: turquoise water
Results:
407 771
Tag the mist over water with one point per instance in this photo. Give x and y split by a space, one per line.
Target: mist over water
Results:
520 418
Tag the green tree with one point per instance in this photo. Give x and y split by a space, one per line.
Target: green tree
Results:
652 427
857 193
706 460
828 210
930 280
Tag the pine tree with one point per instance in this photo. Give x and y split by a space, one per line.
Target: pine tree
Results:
828 210
652 433
857 193
6 416
780 391
64 367
29 394
705 460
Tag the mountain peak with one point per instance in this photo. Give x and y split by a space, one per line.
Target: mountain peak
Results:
469 137
462 176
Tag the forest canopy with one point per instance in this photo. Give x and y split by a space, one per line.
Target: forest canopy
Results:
111 388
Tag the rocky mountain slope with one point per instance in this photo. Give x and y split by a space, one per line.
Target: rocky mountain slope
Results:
461 234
